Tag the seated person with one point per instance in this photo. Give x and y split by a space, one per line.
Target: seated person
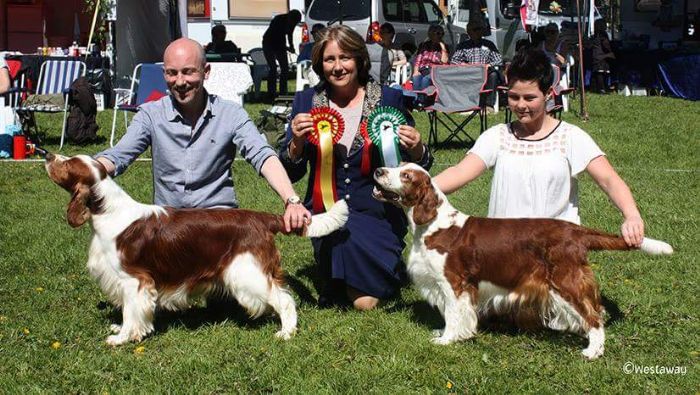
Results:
431 52
305 48
602 57
478 50
555 48
387 33
4 76
219 44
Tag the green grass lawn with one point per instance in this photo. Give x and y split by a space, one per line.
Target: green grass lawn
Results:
54 319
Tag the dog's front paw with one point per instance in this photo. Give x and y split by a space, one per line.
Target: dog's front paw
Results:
437 332
285 334
117 340
114 328
442 340
592 353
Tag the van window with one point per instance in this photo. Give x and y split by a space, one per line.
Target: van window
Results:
392 10
326 10
432 12
411 12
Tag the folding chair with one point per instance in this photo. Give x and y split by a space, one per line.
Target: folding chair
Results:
457 89
151 86
303 69
229 81
401 74
55 77
13 97
259 68
558 102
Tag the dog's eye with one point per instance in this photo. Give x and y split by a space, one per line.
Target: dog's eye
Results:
405 176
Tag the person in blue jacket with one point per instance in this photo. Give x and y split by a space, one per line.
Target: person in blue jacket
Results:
363 260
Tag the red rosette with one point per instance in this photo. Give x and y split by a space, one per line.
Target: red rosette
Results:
366 150
326 119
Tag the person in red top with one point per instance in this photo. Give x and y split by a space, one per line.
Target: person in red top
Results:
431 52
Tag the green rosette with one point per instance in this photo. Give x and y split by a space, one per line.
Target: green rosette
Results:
383 129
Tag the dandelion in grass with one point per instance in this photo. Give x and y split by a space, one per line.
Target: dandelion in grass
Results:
139 350
25 331
39 289
449 385
56 345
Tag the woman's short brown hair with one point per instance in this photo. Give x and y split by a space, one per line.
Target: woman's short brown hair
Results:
348 40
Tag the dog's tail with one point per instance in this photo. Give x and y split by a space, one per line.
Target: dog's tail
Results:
321 224
328 222
603 241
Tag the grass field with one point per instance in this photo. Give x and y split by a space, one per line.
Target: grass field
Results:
54 318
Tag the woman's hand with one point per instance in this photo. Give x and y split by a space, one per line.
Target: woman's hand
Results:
633 231
409 138
301 125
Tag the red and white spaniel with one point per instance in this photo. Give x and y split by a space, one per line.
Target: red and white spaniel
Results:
145 256
533 271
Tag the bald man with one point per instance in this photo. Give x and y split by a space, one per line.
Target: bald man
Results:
194 137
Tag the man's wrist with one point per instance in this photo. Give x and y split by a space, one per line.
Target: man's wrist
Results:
294 199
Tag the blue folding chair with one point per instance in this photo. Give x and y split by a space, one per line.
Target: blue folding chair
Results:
55 77
149 81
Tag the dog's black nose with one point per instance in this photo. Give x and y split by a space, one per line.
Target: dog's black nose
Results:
41 151
379 172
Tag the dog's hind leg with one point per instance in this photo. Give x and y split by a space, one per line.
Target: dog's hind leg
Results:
576 308
283 304
138 310
257 291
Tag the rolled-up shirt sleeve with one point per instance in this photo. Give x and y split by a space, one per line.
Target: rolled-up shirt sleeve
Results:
136 140
251 144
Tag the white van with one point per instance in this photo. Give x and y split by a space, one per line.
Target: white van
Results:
503 18
411 19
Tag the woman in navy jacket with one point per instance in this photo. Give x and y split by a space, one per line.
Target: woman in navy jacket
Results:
363 260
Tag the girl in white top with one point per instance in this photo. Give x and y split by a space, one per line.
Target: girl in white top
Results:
537 159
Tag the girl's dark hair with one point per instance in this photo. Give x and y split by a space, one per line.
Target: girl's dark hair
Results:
531 64
349 41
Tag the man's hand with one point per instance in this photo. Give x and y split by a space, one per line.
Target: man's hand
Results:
296 216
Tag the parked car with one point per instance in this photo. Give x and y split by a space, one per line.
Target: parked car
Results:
411 19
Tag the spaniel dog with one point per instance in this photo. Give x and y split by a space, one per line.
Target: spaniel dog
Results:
533 271
145 256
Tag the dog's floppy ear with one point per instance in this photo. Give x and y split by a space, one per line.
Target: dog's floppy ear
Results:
78 211
425 210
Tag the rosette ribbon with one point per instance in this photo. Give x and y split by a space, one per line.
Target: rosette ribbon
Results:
383 129
328 127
